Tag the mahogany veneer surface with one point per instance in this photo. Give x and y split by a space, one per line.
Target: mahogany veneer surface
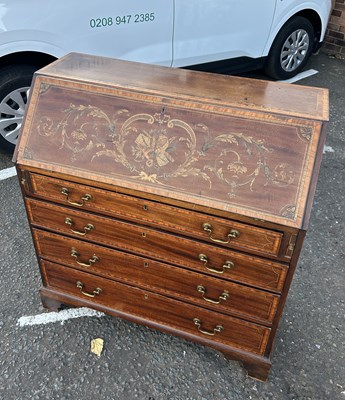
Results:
172 198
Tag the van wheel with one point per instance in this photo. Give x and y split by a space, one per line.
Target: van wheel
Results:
291 49
15 81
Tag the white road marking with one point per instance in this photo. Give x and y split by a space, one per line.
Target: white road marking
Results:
328 149
7 173
302 75
61 316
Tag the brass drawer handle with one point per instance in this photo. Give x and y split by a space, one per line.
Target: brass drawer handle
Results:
233 234
84 199
92 260
87 228
217 329
97 291
226 266
224 296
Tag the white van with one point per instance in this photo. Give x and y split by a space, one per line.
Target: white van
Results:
278 35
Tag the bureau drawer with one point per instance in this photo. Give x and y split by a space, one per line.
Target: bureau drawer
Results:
224 232
217 294
158 245
157 308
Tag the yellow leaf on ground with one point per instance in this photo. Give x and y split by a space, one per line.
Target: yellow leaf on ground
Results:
97 346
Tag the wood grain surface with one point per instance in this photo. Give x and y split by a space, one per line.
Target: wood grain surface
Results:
240 300
255 165
175 199
158 245
151 306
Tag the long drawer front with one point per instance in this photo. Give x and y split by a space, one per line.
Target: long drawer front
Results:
156 308
159 245
227 233
217 294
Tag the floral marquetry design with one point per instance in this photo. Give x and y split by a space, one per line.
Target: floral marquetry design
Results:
44 87
157 148
306 132
153 149
288 211
239 161
28 153
78 130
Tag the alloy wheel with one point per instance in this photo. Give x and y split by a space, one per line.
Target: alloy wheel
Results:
294 50
12 109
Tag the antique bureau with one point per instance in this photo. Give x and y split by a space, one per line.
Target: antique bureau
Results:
172 198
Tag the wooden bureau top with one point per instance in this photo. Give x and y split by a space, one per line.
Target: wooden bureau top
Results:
248 94
238 145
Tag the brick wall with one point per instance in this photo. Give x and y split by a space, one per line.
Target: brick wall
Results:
334 41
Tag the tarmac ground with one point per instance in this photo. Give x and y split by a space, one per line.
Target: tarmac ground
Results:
53 360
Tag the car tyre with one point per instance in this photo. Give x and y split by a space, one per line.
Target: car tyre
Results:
15 81
291 49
